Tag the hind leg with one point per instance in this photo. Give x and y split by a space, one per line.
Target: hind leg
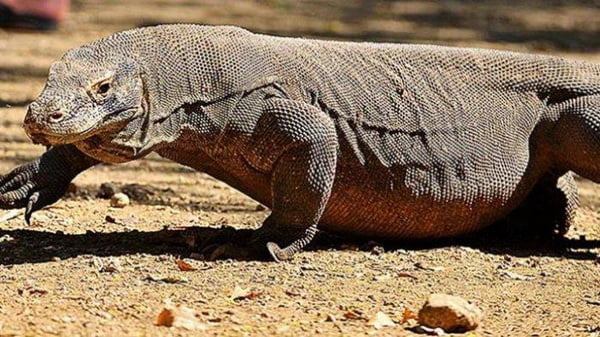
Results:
575 142
549 209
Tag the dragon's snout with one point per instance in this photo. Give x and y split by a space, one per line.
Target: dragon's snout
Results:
36 114
38 120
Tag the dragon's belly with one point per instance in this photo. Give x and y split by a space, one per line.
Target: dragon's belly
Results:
409 201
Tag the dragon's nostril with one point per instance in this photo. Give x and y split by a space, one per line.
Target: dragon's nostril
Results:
56 116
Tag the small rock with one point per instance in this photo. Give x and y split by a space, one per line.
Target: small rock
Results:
450 313
107 190
72 191
377 250
6 238
139 192
119 200
260 207
179 317
381 320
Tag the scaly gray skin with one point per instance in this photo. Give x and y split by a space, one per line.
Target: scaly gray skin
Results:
379 140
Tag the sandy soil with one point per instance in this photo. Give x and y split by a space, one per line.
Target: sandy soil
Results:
83 268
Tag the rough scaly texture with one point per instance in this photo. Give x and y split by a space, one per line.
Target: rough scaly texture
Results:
380 140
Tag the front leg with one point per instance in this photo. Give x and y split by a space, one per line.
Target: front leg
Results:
43 181
296 144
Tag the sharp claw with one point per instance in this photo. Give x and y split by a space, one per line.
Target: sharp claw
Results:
29 208
276 252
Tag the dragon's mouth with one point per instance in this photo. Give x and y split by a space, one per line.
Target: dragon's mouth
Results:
107 125
49 138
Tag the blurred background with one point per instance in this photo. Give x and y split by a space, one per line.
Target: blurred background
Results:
565 27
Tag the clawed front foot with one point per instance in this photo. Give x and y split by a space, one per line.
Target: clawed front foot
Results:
43 181
28 187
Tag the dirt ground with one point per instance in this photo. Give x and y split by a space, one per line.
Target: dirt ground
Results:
83 268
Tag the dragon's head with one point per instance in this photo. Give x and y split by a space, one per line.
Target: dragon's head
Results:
87 95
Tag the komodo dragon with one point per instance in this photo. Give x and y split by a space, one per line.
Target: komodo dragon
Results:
387 141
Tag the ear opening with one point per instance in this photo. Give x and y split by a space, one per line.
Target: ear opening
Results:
555 96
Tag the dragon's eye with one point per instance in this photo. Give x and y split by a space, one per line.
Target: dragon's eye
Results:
103 88
100 90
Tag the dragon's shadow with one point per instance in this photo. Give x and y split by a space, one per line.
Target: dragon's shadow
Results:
35 246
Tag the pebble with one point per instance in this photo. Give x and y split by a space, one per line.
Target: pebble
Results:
72 190
119 200
139 192
450 313
107 191
377 250
6 238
